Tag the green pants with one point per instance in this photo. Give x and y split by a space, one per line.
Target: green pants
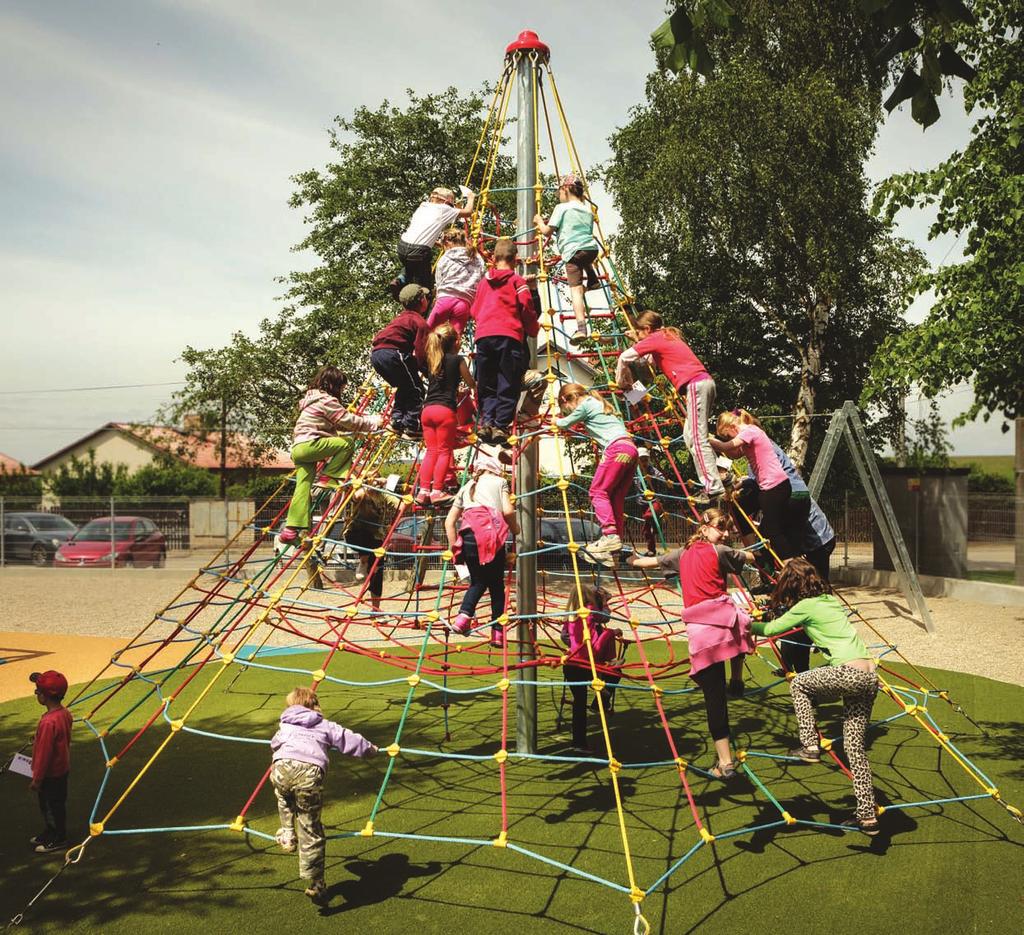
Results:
337 449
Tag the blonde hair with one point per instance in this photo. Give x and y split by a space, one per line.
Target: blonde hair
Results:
652 320
456 237
504 251
710 517
735 417
303 696
571 391
442 340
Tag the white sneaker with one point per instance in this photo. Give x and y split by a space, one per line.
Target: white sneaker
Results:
609 542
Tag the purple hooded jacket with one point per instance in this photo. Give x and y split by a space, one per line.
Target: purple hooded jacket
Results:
306 735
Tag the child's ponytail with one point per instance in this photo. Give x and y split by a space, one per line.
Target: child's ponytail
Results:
737 418
654 322
442 340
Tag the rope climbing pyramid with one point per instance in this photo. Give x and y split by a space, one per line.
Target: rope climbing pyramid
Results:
266 613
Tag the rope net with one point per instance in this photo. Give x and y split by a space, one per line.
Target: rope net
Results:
265 610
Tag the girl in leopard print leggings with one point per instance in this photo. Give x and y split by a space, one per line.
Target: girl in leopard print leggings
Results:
849 675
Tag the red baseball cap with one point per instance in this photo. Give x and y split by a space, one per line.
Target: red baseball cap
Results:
50 683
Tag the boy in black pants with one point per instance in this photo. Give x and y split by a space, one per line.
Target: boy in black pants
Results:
51 760
399 353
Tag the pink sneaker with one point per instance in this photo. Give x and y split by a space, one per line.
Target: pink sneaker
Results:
289 534
441 497
462 624
422 498
498 637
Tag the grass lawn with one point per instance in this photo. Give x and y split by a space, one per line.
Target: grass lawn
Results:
990 464
939 868
993 577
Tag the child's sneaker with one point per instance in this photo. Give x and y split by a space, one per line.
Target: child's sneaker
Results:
483 433
317 891
868 827
608 543
807 754
462 624
441 498
288 534
422 498
285 840
37 839
47 846
412 435
497 637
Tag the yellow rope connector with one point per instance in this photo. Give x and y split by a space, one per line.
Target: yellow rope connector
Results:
550 377
96 829
501 840
319 675
351 612
513 440
177 725
433 616
448 555
112 762
501 756
993 791
503 685
681 762
706 836
227 658
503 619
825 744
471 438
367 831
910 709
636 895
357 483
573 547
614 765
407 500
788 819
880 809
562 484
238 824
597 684
665 443
648 495
393 750
741 755
512 498
657 691
380 552
413 680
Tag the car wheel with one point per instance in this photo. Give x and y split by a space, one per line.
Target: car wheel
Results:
39 558
161 559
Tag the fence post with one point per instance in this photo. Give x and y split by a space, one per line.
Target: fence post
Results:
846 528
3 535
227 532
113 538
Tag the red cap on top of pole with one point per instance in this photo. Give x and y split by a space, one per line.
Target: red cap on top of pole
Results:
528 41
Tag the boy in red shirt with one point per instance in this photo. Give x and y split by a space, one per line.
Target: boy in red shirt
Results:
505 317
51 760
399 354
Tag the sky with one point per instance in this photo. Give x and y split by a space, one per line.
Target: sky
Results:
145 170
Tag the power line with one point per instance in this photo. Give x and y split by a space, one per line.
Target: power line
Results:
90 389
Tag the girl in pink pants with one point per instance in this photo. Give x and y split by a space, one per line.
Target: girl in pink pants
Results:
613 477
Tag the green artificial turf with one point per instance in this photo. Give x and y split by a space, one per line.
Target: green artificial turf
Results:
939 868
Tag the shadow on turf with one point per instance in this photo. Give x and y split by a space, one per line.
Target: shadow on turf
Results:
377 880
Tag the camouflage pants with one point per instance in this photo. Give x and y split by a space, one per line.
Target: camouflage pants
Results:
299 788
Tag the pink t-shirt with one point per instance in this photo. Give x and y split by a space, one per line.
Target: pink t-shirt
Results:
757 449
673 356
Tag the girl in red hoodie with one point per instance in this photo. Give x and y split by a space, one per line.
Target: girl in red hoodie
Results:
505 317
672 355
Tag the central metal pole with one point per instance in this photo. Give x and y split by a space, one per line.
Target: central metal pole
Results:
527 72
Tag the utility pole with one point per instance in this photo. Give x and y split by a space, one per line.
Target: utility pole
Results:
527 53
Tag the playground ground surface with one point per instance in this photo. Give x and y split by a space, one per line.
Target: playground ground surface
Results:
952 867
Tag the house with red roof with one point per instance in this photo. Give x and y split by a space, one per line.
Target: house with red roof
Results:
135 446
9 465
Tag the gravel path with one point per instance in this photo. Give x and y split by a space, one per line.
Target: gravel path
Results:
980 639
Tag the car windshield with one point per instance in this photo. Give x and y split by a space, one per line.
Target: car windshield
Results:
52 523
99 530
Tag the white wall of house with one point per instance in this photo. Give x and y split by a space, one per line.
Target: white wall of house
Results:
111 447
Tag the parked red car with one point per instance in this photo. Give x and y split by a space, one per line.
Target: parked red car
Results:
136 541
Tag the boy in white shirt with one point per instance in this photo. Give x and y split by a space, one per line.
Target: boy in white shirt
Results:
416 245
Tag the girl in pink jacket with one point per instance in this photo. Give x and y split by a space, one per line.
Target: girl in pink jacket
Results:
716 629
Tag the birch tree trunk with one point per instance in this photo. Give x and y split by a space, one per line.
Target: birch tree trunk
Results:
810 371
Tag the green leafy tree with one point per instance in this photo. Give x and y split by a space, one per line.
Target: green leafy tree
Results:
20 482
385 162
745 215
85 477
928 441
916 40
168 477
974 330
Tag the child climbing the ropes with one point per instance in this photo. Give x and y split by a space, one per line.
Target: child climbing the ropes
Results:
459 271
572 222
577 669
416 245
716 629
321 416
477 526
505 317
613 476
446 370
51 761
849 675
399 350
745 438
666 350
300 749
371 513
